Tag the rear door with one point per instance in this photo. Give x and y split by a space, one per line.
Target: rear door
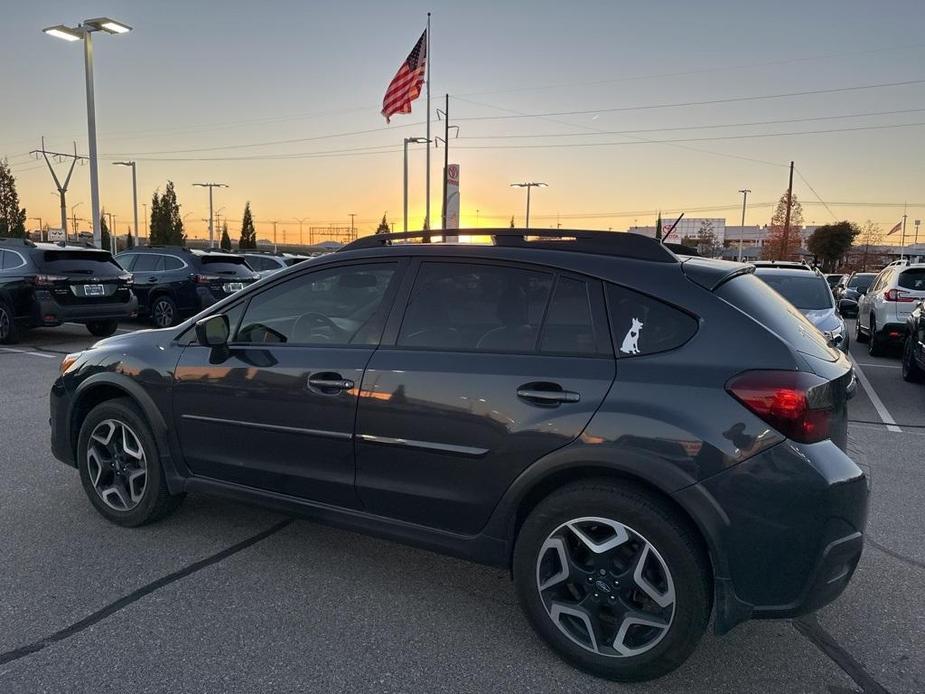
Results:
490 368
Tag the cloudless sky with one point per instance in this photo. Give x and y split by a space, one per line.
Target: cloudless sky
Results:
219 77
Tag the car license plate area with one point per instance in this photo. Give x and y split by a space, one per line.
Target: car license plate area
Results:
94 290
232 287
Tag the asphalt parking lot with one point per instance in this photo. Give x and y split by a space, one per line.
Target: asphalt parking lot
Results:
223 597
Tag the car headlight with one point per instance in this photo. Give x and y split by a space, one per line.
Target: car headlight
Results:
69 361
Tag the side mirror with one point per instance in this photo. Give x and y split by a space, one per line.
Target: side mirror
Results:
213 331
847 306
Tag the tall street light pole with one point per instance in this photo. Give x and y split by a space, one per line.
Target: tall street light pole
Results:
210 186
528 186
134 193
301 221
745 192
352 225
145 206
74 217
405 198
84 31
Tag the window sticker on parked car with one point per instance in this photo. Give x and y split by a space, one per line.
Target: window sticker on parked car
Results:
631 341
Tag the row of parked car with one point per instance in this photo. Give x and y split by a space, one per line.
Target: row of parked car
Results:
46 284
889 309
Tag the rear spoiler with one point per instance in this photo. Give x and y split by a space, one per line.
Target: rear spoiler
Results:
710 274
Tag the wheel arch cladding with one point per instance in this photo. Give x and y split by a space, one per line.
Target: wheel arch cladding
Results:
103 387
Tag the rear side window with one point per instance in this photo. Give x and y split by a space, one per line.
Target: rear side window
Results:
172 263
10 260
569 325
225 265
752 296
261 264
148 262
913 279
471 307
643 325
67 262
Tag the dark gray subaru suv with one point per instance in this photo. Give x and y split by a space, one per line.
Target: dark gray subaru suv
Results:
642 439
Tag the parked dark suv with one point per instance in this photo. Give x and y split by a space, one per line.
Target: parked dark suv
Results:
641 439
173 281
45 284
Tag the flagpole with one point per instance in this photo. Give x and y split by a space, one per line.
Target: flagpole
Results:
427 165
902 244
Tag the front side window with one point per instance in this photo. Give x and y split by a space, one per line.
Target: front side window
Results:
334 307
470 307
643 325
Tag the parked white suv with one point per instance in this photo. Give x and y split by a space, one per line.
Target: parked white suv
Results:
883 310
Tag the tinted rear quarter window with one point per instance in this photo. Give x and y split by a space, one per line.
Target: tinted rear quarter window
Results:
67 262
172 263
913 279
569 324
643 325
751 295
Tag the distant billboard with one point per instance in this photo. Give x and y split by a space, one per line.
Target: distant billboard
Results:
56 235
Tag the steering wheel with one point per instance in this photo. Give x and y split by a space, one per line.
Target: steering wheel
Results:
319 320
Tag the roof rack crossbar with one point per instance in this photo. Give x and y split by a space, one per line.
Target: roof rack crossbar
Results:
627 245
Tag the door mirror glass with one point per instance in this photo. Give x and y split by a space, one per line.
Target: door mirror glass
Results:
847 305
212 331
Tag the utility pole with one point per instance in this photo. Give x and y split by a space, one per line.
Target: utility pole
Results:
275 247
917 221
446 151
405 189
786 238
62 188
745 192
528 186
134 192
112 233
301 222
74 217
210 186
41 229
145 206
352 226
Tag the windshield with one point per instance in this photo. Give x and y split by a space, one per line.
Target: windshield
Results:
806 293
860 281
94 263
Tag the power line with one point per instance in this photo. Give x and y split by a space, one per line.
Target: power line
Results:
818 197
705 102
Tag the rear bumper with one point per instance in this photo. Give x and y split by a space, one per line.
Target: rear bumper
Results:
892 332
50 312
786 530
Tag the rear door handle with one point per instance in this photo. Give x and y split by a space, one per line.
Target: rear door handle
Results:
329 383
546 394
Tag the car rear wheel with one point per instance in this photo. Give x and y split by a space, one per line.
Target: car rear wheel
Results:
875 346
613 580
163 312
119 465
8 332
859 336
912 372
102 328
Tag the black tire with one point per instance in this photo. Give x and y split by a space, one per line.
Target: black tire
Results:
102 328
859 337
9 333
912 372
163 312
154 501
657 524
875 347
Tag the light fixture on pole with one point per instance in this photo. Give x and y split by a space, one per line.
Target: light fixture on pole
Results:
134 193
528 186
210 186
407 141
84 31
745 192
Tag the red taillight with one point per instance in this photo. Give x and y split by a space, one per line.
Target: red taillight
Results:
205 279
799 405
47 280
898 295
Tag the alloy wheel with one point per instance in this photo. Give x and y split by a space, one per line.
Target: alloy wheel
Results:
4 323
117 465
606 587
163 314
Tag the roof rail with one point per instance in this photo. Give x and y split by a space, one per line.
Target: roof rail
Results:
15 241
167 245
623 244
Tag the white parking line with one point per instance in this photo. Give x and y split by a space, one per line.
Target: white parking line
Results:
875 400
31 354
879 366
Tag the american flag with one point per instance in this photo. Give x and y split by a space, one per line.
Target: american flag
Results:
405 87
899 225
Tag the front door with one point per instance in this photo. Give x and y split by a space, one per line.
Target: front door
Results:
276 410
493 367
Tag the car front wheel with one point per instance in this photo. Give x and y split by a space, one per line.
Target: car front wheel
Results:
912 372
163 312
119 465
613 580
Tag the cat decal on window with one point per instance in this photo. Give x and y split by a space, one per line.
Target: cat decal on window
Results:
631 341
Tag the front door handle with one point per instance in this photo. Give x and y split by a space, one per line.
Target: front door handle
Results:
546 394
152 279
329 383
